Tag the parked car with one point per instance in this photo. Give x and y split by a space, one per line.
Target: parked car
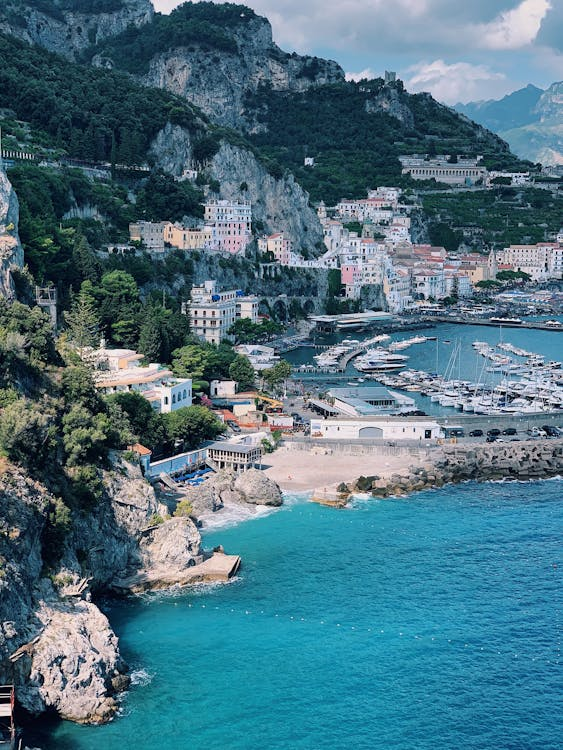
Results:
494 432
233 425
551 431
536 432
492 438
476 433
509 431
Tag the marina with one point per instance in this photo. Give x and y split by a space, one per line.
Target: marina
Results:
449 369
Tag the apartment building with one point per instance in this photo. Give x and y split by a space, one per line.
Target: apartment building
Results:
150 233
232 222
541 261
280 247
212 313
186 238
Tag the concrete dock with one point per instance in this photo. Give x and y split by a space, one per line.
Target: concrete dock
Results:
218 568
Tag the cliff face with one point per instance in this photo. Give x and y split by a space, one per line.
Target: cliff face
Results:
64 654
68 32
11 251
218 83
280 204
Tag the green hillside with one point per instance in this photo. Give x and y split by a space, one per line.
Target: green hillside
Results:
90 113
354 139
205 25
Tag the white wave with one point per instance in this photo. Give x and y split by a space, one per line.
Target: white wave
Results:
232 514
141 677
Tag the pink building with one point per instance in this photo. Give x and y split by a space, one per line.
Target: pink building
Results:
279 246
231 222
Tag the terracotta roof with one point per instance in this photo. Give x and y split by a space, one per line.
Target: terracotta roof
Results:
140 449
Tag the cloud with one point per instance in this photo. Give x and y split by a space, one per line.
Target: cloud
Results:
365 73
515 28
457 82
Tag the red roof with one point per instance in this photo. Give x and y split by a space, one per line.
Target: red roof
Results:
140 449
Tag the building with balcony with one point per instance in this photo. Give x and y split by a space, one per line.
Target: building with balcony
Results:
212 312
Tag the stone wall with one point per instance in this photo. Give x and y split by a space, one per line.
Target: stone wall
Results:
529 460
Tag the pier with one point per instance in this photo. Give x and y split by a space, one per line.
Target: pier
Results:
533 324
217 568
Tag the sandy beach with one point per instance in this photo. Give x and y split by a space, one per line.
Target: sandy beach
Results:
299 471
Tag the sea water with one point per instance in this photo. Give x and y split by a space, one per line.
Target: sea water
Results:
429 622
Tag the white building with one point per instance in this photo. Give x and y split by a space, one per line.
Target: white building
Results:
120 370
541 261
212 313
442 169
261 357
359 428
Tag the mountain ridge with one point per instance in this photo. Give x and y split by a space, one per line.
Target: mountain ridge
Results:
530 120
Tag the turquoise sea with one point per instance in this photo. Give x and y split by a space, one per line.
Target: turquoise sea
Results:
428 623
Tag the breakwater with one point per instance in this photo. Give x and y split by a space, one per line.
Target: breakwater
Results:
523 461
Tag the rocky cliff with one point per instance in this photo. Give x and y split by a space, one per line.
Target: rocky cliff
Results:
219 83
280 205
55 644
11 251
68 27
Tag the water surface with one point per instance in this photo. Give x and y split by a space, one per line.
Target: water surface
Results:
432 622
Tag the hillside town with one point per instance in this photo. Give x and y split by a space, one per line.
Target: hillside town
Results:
369 241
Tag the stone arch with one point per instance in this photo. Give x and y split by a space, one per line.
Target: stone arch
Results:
280 310
264 308
309 306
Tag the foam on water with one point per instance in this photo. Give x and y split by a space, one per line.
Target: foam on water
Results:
431 622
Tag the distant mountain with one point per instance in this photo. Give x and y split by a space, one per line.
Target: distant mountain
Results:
530 120
512 111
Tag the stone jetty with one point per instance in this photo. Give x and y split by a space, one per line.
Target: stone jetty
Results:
527 460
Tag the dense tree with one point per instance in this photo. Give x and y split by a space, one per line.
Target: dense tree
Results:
191 425
242 371
278 374
151 335
145 424
26 430
83 323
85 435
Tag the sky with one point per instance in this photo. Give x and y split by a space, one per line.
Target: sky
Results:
459 50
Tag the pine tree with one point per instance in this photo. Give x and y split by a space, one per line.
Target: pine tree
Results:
82 322
150 336
85 262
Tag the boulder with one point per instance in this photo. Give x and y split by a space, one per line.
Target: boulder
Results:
256 488
75 665
174 544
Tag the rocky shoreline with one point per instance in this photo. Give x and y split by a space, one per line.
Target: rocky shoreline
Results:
523 461
56 646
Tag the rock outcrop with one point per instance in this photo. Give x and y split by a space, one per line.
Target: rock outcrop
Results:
225 489
219 83
389 101
55 644
281 205
68 31
75 666
11 251
255 488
